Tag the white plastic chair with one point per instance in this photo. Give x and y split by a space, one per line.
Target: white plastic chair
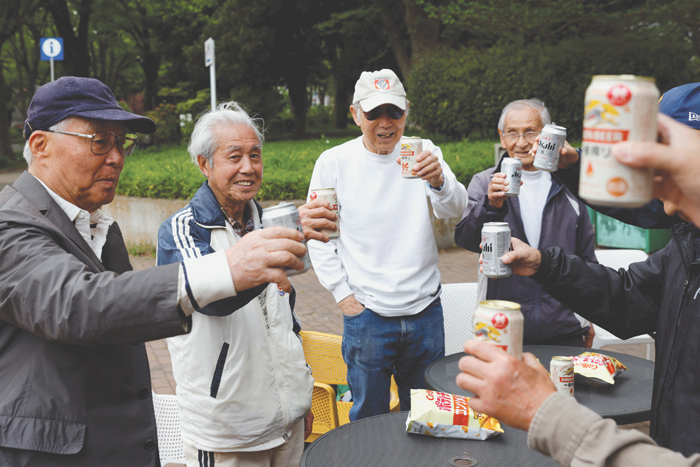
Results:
617 259
170 446
458 305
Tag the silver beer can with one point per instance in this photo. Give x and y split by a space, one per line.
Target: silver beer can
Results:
411 146
513 168
495 242
501 323
552 139
328 195
286 215
618 108
561 370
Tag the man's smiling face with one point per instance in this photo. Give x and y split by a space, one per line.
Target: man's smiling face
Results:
380 136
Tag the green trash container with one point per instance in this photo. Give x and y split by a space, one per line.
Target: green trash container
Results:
612 233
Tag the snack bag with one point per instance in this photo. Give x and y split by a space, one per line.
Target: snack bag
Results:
448 416
597 369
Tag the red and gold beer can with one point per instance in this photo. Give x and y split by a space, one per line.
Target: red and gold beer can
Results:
618 108
501 323
561 370
411 146
328 195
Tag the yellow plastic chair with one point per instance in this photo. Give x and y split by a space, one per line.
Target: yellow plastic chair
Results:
324 356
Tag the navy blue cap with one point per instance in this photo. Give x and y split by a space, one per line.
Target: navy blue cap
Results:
70 96
682 104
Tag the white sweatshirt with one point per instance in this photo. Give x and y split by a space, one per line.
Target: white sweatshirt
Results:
386 254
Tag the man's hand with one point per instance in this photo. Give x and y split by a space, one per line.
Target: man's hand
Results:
308 424
506 388
429 169
567 154
497 190
524 259
258 257
315 216
350 306
588 337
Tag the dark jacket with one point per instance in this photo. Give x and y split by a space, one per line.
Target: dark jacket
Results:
662 295
565 223
75 387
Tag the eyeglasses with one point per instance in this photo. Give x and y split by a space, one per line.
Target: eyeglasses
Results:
392 111
103 141
513 137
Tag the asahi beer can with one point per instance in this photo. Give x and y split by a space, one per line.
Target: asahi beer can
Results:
561 370
328 195
495 242
286 215
618 108
513 168
552 139
500 323
411 146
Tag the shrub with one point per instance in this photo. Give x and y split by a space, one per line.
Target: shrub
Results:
168 124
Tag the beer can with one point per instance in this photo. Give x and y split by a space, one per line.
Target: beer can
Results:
552 139
328 195
501 323
411 146
618 108
286 215
561 370
495 242
513 168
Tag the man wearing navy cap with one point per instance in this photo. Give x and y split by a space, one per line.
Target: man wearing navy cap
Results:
75 387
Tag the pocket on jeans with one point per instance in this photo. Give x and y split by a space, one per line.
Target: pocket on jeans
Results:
216 380
356 315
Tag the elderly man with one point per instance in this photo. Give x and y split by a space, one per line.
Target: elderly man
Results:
545 214
382 270
243 385
75 387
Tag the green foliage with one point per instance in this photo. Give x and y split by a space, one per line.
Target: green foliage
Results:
168 124
142 249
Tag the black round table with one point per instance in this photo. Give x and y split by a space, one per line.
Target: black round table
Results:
627 401
383 441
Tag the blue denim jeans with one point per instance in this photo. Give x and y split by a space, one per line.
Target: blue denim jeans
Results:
376 347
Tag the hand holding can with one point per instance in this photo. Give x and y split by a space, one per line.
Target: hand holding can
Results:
411 146
286 215
328 195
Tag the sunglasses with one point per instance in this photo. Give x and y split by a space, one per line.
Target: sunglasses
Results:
392 111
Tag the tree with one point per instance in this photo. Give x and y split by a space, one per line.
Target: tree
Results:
76 56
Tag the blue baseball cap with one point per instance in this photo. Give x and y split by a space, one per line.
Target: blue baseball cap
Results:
682 103
71 96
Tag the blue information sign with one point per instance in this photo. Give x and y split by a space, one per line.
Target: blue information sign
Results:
51 47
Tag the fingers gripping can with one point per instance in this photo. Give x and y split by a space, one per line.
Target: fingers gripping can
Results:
513 168
495 242
501 323
618 108
561 370
411 146
552 139
328 195
286 215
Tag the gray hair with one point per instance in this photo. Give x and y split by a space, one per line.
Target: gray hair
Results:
60 126
358 108
536 104
203 141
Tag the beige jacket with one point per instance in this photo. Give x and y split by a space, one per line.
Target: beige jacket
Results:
574 435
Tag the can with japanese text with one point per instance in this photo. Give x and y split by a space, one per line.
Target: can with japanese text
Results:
513 168
561 370
328 195
495 242
618 108
552 139
501 323
286 215
411 146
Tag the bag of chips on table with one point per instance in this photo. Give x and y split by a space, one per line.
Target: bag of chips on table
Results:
448 416
597 369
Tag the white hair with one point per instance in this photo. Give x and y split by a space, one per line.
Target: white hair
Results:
536 104
60 126
358 108
203 141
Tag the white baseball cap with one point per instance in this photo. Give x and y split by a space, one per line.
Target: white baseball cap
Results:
375 88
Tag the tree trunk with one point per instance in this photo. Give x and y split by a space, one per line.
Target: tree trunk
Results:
396 41
424 31
150 65
6 154
341 99
76 59
300 102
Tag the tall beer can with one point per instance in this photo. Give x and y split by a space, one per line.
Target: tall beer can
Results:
552 139
495 242
411 146
561 370
513 168
286 215
328 195
618 108
501 323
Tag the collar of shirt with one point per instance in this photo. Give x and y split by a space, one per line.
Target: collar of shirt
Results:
239 228
93 227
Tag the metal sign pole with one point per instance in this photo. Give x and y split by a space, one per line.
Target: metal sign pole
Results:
52 69
212 83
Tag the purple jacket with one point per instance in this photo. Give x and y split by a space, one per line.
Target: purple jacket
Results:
565 223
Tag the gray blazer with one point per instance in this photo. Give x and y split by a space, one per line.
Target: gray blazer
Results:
74 379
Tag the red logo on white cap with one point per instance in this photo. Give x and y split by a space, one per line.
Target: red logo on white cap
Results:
381 84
